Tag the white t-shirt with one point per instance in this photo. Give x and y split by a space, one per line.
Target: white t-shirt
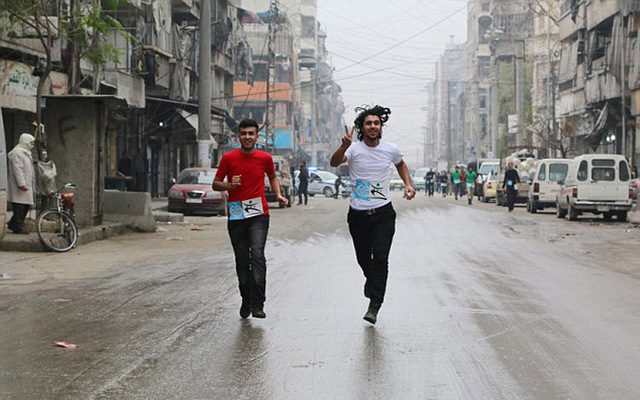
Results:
370 171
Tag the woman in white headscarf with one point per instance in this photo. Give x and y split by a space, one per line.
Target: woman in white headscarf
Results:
21 182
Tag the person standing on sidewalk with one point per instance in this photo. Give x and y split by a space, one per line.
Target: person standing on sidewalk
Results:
511 180
20 188
371 216
303 183
248 224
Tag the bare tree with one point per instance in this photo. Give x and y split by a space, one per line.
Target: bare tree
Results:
559 141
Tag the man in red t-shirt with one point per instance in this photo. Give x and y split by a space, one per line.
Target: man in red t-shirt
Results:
248 224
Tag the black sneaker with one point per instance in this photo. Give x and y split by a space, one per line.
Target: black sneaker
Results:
258 313
245 311
372 313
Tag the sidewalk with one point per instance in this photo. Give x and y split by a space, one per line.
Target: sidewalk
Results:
31 242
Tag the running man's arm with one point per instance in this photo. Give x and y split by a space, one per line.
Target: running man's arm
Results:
339 156
275 186
405 175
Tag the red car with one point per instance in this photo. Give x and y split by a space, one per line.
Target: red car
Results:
192 193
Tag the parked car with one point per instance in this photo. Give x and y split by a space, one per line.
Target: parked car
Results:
489 188
396 183
193 193
487 167
545 183
598 184
323 182
418 178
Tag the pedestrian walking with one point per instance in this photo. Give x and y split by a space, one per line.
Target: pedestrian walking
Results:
511 180
443 181
248 214
463 181
337 184
303 183
428 182
470 177
371 216
456 179
20 187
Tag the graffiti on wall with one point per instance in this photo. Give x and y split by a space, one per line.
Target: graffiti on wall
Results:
18 87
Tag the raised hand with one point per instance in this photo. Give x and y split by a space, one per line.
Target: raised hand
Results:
348 136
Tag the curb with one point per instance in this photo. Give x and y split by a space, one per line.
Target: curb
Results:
31 243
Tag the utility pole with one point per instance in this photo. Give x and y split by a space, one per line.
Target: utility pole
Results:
623 85
550 119
520 84
495 115
204 86
269 121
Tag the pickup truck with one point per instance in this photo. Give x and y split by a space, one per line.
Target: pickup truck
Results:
526 160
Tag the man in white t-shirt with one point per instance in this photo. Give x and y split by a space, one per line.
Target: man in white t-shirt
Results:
371 217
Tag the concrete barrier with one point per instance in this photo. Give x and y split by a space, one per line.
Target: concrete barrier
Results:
132 209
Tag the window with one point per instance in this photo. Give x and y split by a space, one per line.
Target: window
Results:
260 73
542 174
624 171
484 67
603 174
482 94
583 171
603 163
308 27
558 172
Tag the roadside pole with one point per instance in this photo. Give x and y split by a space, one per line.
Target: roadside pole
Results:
204 87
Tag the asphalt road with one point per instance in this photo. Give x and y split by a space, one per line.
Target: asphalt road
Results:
481 304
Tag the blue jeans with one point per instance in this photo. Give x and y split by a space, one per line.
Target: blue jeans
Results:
372 235
248 238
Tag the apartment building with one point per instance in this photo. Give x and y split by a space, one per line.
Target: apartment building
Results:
597 78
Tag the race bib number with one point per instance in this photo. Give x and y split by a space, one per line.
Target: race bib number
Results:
239 210
509 183
456 181
371 190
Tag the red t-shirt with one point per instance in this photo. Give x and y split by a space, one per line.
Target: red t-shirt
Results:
252 167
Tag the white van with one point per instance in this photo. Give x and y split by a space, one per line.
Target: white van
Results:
3 180
598 184
545 183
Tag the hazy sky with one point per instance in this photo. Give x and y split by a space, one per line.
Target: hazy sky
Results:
384 52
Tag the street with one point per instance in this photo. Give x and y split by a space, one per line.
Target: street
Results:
481 304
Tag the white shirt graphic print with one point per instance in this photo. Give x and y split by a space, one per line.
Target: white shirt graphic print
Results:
370 171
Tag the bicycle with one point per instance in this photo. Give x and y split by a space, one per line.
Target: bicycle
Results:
57 227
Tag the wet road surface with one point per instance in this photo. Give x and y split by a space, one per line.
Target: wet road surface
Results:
480 304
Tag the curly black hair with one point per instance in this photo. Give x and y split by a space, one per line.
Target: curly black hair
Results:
364 111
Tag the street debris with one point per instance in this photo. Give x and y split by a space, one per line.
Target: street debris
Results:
176 238
196 228
65 345
5 276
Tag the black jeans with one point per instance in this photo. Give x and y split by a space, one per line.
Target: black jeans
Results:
511 198
372 234
248 238
16 223
302 190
